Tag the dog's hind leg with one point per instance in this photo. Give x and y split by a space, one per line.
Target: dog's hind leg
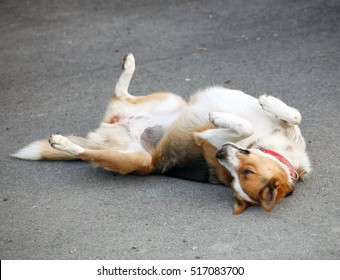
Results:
280 110
42 150
229 128
138 162
122 86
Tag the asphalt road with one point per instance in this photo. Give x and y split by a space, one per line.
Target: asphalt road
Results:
59 61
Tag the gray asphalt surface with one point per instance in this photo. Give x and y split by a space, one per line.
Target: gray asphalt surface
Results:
59 61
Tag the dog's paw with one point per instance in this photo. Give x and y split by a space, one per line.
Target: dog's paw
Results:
61 143
233 122
270 103
217 119
225 120
129 62
279 109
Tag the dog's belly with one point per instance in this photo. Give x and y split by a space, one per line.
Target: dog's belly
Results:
137 131
151 136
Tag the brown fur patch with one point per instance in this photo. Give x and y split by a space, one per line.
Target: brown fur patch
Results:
264 171
157 96
302 173
125 163
239 205
217 173
177 146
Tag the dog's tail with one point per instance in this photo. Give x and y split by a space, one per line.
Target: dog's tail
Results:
42 150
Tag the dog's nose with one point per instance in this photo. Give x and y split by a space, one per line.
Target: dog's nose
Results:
221 153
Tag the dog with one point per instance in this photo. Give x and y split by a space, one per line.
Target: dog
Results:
220 135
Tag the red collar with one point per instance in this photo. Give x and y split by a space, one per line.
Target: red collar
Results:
293 173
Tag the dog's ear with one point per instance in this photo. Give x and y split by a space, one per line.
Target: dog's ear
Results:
268 196
239 205
198 140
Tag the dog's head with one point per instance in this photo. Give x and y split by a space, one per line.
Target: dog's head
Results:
259 179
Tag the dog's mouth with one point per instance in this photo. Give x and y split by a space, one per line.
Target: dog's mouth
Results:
224 152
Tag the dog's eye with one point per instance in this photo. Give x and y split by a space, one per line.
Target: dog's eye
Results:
246 172
243 151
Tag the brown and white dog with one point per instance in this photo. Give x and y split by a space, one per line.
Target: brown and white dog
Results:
220 136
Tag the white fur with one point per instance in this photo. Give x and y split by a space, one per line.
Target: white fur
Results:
232 121
229 126
216 137
121 89
30 152
238 189
280 110
61 143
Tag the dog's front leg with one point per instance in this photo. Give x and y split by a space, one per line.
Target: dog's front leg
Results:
229 128
280 110
138 162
